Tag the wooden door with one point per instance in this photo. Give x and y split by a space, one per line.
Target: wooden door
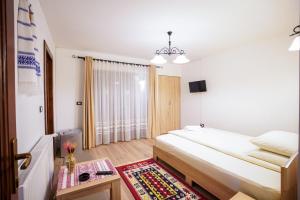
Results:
48 90
7 100
169 103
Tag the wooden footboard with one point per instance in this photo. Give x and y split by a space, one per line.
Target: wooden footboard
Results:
289 179
193 175
288 176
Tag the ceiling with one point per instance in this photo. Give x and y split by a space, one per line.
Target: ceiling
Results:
136 28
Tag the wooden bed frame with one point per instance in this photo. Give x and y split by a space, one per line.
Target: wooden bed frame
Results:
288 176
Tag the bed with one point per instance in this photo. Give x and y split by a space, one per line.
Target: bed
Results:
223 172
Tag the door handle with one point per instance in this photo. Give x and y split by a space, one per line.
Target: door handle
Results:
26 157
23 156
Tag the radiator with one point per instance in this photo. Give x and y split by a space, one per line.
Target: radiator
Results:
35 183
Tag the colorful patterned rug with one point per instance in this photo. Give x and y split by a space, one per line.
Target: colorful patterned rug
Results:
149 180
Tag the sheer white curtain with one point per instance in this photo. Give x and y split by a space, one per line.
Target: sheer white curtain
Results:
121 98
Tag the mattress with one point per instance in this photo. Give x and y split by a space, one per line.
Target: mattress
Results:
233 144
239 175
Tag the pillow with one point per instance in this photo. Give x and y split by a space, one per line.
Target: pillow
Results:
268 156
280 142
192 128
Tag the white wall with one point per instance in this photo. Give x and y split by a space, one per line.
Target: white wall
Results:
69 83
250 89
30 122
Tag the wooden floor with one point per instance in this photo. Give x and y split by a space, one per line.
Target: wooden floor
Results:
119 153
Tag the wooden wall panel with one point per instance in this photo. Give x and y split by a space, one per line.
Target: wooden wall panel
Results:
168 103
177 102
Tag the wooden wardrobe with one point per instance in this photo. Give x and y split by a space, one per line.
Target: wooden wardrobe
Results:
168 103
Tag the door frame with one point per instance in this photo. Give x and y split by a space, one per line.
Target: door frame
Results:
7 100
48 106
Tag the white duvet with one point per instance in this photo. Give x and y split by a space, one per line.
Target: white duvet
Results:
232 144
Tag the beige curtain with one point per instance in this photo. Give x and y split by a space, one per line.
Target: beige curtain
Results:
89 135
152 103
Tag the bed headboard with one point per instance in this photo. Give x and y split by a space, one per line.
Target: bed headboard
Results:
289 179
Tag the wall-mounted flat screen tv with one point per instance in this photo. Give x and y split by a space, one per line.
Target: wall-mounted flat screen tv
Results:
197 86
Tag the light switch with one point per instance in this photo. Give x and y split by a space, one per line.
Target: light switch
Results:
41 109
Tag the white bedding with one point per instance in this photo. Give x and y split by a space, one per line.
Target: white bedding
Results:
233 144
235 173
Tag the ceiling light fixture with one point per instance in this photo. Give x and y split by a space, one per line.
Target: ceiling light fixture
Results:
295 46
158 59
180 59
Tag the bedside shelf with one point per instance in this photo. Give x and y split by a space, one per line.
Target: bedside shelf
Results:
241 196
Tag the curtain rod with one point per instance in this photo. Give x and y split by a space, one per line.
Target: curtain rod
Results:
113 61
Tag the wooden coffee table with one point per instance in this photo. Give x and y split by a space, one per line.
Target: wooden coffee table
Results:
69 186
